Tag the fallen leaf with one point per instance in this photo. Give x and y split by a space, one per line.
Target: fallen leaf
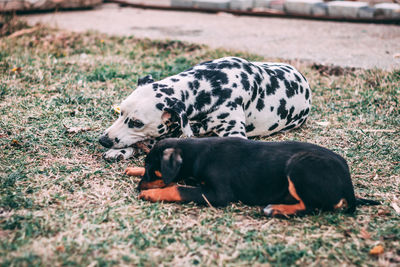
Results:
23 32
377 250
383 212
364 234
396 207
117 109
15 142
16 69
76 129
60 248
323 123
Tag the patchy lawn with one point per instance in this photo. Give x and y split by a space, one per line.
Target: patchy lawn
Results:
62 204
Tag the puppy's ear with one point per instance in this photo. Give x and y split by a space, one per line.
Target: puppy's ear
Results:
145 80
171 163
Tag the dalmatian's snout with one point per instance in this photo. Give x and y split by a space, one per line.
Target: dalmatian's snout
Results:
105 141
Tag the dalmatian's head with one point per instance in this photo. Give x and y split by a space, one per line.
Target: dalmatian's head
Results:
144 116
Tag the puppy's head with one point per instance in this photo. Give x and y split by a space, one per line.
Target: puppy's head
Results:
144 116
164 161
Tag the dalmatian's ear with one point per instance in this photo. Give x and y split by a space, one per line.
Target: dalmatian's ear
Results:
145 80
177 112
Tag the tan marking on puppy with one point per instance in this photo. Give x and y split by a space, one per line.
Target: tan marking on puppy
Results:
135 171
168 194
152 185
341 204
283 209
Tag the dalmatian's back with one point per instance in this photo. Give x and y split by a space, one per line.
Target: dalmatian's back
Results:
247 98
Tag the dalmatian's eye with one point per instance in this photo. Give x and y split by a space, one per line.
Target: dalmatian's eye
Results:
135 124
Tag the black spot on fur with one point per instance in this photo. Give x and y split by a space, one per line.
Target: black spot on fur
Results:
254 95
245 81
289 127
196 84
202 99
116 140
222 115
282 111
239 100
280 74
273 127
158 95
174 80
272 108
215 77
160 126
222 95
274 84
307 95
161 131
126 120
260 104
145 80
168 91
234 85
247 67
155 86
123 151
250 128
160 106
189 110
291 88
247 105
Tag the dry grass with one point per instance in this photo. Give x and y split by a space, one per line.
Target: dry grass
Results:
61 204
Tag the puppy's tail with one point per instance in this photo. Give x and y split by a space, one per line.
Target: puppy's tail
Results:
369 202
358 201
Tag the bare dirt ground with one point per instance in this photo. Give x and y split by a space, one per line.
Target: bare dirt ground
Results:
323 42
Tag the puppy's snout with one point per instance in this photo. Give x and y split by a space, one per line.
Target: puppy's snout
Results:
105 141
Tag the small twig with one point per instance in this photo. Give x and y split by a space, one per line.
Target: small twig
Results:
23 32
208 202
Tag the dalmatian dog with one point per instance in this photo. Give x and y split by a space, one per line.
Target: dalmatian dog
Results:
225 97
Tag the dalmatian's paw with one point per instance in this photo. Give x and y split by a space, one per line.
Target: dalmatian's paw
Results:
118 154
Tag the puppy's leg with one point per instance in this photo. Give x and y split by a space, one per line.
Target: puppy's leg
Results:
284 209
135 171
185 194
317 180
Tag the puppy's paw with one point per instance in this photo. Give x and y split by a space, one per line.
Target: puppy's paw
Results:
135 171
168 194
118 154
273 211
152 195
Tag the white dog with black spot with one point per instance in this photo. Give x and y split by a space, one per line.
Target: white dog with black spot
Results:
225 97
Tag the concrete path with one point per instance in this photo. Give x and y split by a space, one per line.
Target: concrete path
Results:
338 43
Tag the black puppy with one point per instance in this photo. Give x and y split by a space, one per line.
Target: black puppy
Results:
289 177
